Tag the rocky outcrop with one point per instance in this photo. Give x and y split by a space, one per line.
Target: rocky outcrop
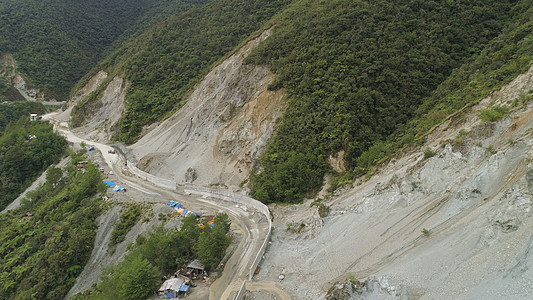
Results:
456 225
94 83
221 130
106 112
374 287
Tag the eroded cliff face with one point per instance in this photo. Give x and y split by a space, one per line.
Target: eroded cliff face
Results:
457 225
23 89
106 112
217 136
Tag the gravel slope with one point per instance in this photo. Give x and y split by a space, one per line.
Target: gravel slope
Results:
473 200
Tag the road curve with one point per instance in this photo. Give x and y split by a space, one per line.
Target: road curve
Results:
254 233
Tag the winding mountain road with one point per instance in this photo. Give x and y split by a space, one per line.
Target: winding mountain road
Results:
254 230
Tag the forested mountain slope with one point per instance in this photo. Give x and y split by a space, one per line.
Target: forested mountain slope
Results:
44 245
364 79
26 150
164 63
356 72
56 42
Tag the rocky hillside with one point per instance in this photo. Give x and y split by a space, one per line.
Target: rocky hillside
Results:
216 138
218 135
449 219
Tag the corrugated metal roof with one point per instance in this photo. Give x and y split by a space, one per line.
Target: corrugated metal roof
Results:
172 284
195 265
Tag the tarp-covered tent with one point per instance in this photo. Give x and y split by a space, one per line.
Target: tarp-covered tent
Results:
91 149
109 183
118 188
184 288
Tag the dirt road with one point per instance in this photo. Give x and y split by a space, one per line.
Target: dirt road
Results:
253 228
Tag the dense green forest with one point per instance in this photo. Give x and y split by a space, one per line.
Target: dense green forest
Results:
164 63
26 150
12 111
3 89
45 243
161 254
365 78
56 42
357 72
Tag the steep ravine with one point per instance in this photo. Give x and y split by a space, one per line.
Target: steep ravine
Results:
453 226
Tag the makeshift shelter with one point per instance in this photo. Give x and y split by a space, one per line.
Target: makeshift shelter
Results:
118 189
172 287
191 213
183 289
91 149
195 265
82 164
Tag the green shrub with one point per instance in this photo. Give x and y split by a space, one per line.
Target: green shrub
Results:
428 153
126 222
54 241
493 113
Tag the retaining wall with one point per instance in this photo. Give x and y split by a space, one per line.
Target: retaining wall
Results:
242 291
165 183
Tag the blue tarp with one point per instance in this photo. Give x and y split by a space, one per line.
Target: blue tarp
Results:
170 203
184 288
91 149
184 213
118 188
109 183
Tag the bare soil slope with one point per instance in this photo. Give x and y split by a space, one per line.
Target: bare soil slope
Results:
453 226
106 112
221 130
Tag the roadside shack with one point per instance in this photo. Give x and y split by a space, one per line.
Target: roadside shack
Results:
195 270
173 287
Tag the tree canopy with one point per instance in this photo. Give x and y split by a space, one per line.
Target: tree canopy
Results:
56 42
45 244
356 73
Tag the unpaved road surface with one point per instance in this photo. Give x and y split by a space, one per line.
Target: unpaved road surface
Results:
251 224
